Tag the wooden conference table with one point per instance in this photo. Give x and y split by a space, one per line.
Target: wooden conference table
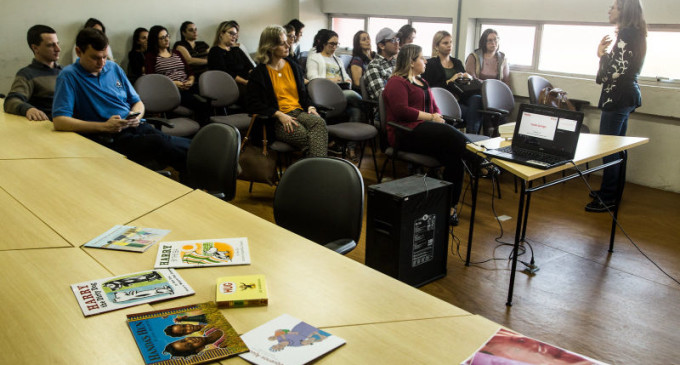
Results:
55 200
590 147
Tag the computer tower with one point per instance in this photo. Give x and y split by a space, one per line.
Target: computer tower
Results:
407 227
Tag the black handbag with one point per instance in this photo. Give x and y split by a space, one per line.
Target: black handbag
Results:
464 87
257 164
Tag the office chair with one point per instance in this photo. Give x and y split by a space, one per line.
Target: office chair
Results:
322 199
331 103
448 107
221 90
212 160
537 83
498 103
161 96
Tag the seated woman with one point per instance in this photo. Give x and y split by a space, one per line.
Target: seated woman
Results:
361 56
226 56
136 54
160 60
443 71
408 101
324 63
276 90
194 52
96 24
487 62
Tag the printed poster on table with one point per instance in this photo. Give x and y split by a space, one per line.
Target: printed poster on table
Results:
198 253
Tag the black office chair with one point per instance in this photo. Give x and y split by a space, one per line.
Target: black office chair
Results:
448 107
537 83
498 103
331 103
161 96
221 90
212 160
322 199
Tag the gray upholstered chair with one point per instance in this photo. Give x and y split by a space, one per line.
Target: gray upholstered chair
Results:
221 90
498 103
161 96
537 83
212 160
329 208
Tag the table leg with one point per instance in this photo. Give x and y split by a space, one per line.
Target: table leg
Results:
619 193
515 249
475 188
526 213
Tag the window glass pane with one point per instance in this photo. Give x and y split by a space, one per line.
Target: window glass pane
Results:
375 24
662 55
517 42
571 48
346 27
425 32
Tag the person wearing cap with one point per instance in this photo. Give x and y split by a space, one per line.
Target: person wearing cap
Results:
381 67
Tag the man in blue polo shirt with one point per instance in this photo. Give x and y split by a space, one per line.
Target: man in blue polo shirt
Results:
94 97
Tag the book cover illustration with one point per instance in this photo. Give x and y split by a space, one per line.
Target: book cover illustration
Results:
214 252
288 340
103 295
241 291
511 348
128 238
185 335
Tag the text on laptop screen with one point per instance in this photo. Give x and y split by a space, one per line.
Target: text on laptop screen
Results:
539 126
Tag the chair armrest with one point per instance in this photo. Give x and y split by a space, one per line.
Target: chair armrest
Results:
399 127
341 246
159 122
490 112
501 111
455 122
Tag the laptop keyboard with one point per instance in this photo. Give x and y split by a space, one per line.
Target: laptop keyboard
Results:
532 155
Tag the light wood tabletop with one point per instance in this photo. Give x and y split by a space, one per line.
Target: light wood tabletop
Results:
590 147
80 198
21 138
43 323
304 279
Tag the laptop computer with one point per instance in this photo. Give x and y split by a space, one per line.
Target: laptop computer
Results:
544 137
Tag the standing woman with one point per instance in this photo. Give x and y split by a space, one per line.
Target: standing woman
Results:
136 55
361 57
408 101
276 89
443 70
225 55
487 62
194 52
618 73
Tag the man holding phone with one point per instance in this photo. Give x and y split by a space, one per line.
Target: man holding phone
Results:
94 98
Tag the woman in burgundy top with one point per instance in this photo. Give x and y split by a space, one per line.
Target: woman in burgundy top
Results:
408 101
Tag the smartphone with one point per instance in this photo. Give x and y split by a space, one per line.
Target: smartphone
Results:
132 115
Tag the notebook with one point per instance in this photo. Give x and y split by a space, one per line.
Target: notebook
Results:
544 137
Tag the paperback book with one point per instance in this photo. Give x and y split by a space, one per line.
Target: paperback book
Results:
128 238
104 295
289 341
506 347
197 253
241 291
185 335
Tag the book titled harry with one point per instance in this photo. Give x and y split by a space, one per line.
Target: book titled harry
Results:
198 253
289 341
241 291
128 238
103 295
506 347
185 335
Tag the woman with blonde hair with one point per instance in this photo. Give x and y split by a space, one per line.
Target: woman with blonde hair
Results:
618 74
276 90
225 55
443 71
409 102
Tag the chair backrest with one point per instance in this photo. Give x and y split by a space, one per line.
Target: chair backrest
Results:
219 87
364 88
346 60
536 84
447 103
212 159
497 95
158 93
327 93
321 199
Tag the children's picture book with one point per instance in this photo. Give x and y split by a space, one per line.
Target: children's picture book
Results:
510 348
241 291
185 335
128 238
287 340
196 253
104 295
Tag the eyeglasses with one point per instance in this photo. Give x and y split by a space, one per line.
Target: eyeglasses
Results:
333 44
232 33
394 40
164 37
292 37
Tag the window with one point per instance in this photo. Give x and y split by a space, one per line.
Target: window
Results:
570 48
516 41
662 50
375 24
346 28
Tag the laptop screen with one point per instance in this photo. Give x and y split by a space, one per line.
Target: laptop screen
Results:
549 130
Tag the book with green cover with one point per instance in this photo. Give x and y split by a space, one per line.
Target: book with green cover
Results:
191 334
241 291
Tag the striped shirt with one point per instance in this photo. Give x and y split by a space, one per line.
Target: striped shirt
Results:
172 67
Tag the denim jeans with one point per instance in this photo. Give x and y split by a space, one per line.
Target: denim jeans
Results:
613 123
470 113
